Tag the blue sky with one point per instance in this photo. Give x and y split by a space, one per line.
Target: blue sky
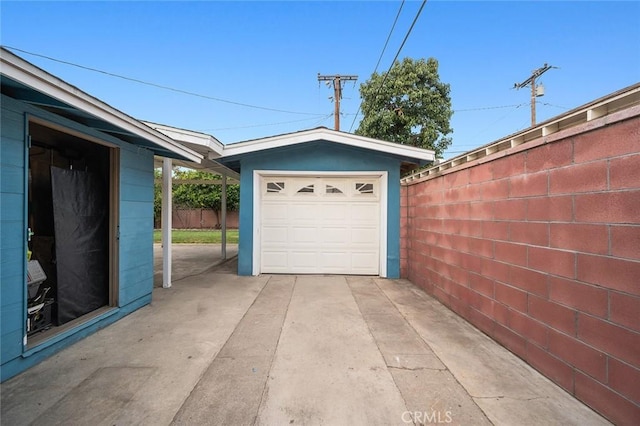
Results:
268 54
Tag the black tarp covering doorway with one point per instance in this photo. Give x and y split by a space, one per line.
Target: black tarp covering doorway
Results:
81 222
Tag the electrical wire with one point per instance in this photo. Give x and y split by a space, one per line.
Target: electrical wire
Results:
489 107
380 58
324 117
389 36
396 57
556 106
499 119
526 125
160 86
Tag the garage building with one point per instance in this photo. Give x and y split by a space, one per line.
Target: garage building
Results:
320 201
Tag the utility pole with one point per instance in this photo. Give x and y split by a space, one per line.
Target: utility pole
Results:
535 90
337 92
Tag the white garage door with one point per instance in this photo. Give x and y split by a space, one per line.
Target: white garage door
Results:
328 225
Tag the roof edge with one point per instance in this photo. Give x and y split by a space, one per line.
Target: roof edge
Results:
191 136
18 69
323 133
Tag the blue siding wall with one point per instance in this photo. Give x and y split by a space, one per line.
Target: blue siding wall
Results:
325 157
136 224
12 231
136 237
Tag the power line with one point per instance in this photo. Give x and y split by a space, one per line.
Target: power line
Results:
556 106
159 86
499 119
319 122
389 36
266 124
380 58
403 42
489 107
396 57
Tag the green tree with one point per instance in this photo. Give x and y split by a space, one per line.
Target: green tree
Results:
196 195
412 107
203 195
157 194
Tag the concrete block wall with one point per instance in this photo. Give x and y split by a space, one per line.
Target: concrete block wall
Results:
540 249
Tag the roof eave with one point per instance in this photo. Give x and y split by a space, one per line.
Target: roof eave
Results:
212 144
28 74
388 148
206 145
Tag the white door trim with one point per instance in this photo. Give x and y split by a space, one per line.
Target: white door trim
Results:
257 200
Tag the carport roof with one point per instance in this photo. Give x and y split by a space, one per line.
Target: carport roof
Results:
24 81
407 154
204 144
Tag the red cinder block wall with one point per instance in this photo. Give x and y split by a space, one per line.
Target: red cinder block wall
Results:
540 249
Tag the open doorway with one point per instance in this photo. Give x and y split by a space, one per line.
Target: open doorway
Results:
72 219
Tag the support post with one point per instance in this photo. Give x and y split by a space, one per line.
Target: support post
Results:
223 216
167 224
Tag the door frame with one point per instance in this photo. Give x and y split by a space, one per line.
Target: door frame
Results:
258 175
114 223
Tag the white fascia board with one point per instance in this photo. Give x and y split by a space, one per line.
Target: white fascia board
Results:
26 73
190 137
330 136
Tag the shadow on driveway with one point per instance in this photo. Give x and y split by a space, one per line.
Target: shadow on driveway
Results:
217 348
194 259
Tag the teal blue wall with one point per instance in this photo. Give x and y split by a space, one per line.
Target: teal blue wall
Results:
135 244
12 231
318 156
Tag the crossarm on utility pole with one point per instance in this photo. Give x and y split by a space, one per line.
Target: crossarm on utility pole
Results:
337 92
532 81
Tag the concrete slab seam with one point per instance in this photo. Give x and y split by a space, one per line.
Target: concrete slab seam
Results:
275 352
215 356
434 352
404 400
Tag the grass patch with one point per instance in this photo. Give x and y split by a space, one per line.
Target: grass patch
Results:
197 236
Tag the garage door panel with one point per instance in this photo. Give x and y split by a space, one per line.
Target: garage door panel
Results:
303 212
365 212
275 234
332 226
368 236
335 235
273 211
335 212
304 234
304 260
275 261
338 262
363 261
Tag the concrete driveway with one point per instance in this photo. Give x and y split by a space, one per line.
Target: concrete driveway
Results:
217 348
